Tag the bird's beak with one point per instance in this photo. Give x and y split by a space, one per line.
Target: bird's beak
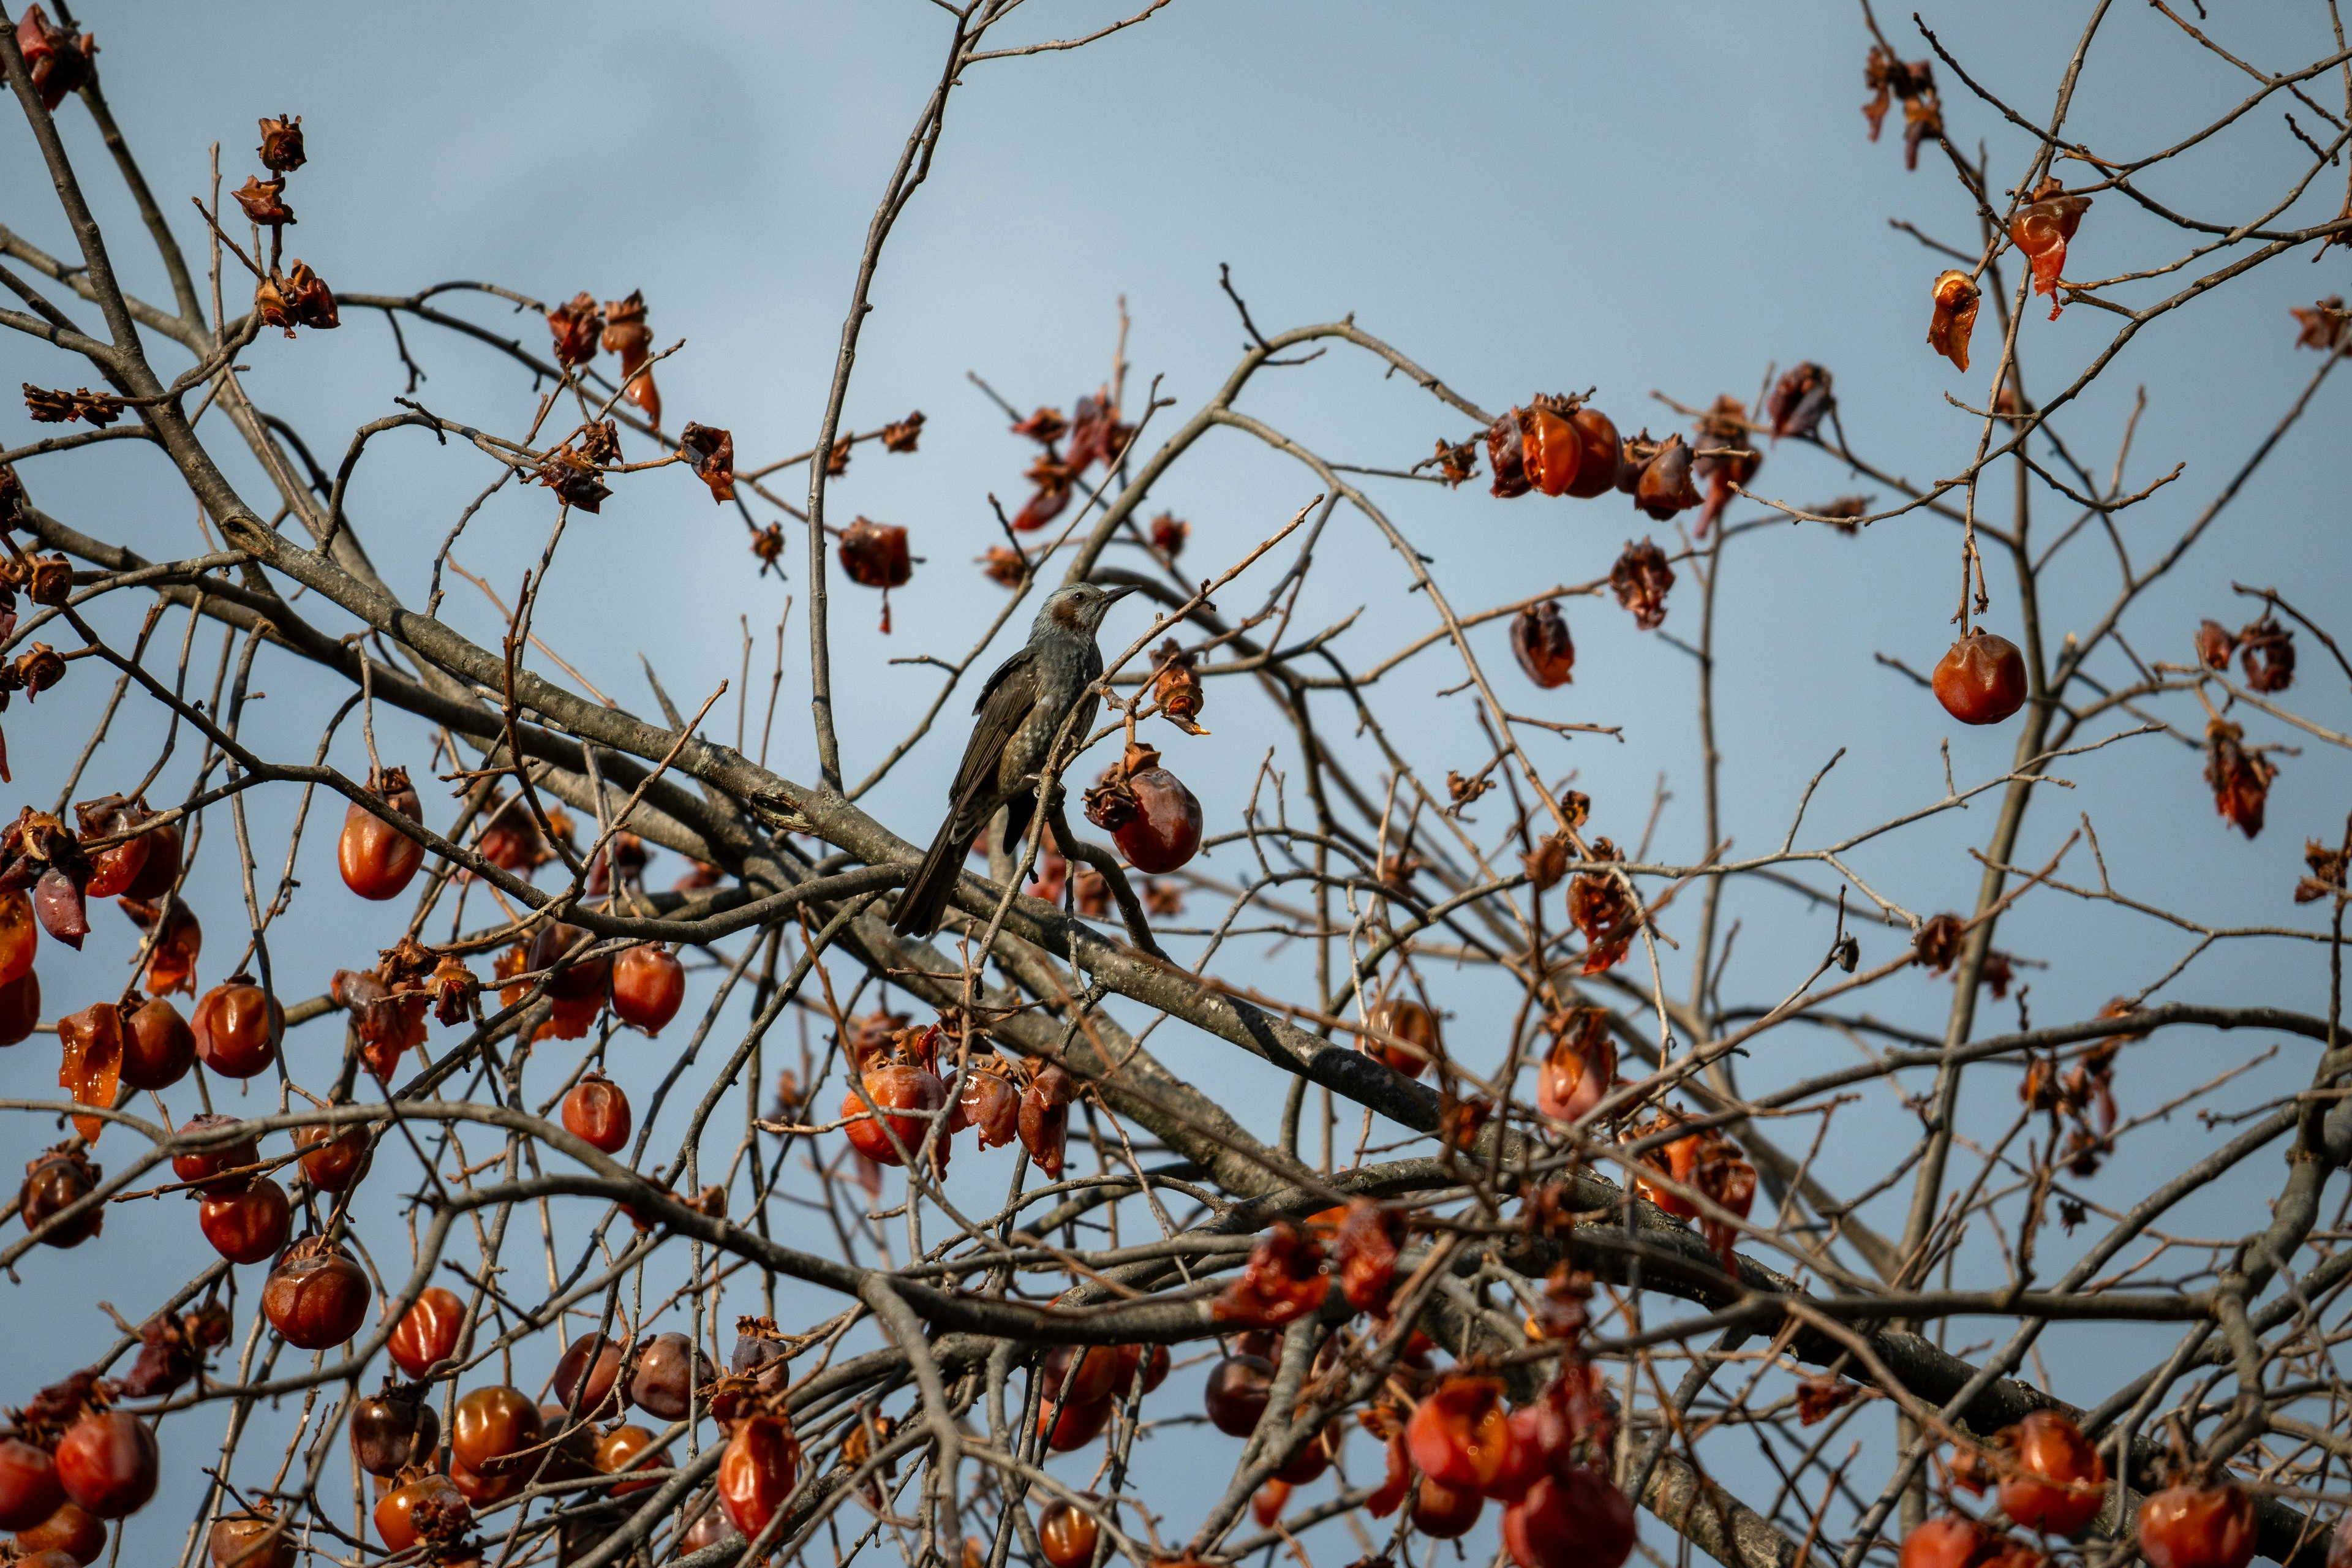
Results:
1113 595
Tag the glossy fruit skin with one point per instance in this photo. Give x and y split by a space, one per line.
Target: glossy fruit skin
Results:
1574 1519
483 1490
331 1160
378 860
112 871
1539 641
1981 678
2197 1527
205 1164
1238 1389
757 1471
649 987
1574 1075
396 1514
20 1008
1153 1364
580 982
2050 1452
20 937
251 1540
490 1424
316 1299
1309 1464
30 1488
670 1372
1068 1534
52 1181
1460 1434
619 1451
597 1113
711 1527
1947 1540
1166 829
596 1402
1408 1021
50 1560
1078 1426
989 1102
71 1531
108 1463
250 1225
1443 1514
237 1026
895 1086
160 868
571 1451
1596 471
158 1046
388 1433
1551 450
427 1332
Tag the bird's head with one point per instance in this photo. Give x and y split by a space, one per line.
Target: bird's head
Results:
1078 607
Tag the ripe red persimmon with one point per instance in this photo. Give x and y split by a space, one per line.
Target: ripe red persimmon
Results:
1947 1540
1596 471
237 1026
597 1113
20 1007
158 1046
1550 449
1981 678
1410 1022
1080 1375
2060 1479
1166 830
427 1332
595 1360
1152 1364
249 1225
1575 1073
1068 1534
430 1501
376 859
20 936
108 1463
205 1165
1077 1424
72 1531
2197 1527
757 1471
160 870
584 980
316 1297
649 987
391 1431
30 1488
892 1087
1574 1519
1460 1437
668 1375
334 1161
54 1181
251 1539
624 1450
1443 1513
1237 1392
490 1425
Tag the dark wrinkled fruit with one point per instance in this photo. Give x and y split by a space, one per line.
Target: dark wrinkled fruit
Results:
1981 680
316 1297
251 1540
580 982
390 1431
1539 641
158 1046
53 1180
1238 1389
596 1360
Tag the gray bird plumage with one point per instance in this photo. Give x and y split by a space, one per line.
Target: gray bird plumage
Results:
1020 712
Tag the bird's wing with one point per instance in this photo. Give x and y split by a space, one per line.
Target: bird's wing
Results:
1004 703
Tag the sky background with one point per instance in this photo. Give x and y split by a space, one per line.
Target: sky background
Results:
1655 199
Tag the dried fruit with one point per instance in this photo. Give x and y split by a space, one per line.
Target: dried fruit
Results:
263 201
2215 643
1799 400
2267 651
987 1101
2041 228
1369 1241
1176 686
1285 1278
281 144
1044 1118
92 1066
1539 641
53 1180
2239 779
1954 319
711 452
875 553
1724 457
1168 533
1412 1024
2323 326
1506 457
1665 487
1602 911
1641 579
627 335
1981 680
575 325
57 59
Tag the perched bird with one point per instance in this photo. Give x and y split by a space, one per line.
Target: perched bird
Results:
1021 709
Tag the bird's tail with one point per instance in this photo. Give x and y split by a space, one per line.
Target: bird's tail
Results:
926 897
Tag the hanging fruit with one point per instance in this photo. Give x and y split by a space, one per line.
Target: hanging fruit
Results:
1507 457
108 1463
1799 401
873 555
1284 1278
1596 468
648 986
90 1069
987 1101
112 871
1550 449
39 852
2059 1482
238 1027
393 1430
376 859
1149 815
427 1332
1665 487
250 1224
1576 1072
316 1297
1043 1120
597 1113
2043 228
1956 299
895 1083
757 1471
2187 1526
1724 456
172 950
333 1162
1410 1023
1641 579
627 335
2240 778
1539 641
1981 678
54 1181
19 935
575 326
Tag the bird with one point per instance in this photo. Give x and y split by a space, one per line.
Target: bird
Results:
1020 710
